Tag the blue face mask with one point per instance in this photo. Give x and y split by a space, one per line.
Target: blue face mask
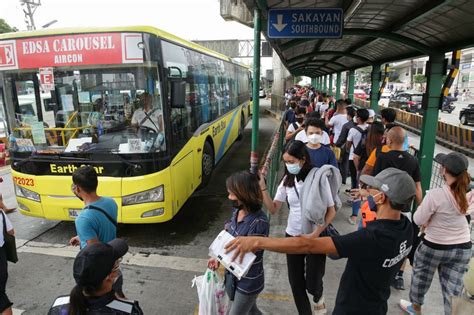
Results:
293 168
371 201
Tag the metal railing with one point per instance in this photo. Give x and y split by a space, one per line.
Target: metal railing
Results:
272 157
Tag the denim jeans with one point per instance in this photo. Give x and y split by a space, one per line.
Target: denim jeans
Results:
356 207
244 304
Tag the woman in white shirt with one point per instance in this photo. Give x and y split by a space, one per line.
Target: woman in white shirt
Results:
305 272
5 304
446 246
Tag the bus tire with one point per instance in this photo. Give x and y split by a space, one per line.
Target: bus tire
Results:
242 127
207 163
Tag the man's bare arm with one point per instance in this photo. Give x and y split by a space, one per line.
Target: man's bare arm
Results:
290 245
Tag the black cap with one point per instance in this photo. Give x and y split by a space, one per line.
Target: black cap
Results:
95 262
454 162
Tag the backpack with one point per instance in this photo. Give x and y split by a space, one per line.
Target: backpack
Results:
363 137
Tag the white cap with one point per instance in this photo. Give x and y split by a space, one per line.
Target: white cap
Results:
371 113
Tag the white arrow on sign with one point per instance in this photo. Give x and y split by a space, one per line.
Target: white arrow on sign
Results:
279 25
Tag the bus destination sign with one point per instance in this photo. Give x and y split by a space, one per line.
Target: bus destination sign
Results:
71 50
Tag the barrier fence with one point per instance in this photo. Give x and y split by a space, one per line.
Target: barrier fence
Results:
456 136
272 157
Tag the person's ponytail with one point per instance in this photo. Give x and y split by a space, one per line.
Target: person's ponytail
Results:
459 188
77 302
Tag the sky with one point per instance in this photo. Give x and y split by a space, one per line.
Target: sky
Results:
189 19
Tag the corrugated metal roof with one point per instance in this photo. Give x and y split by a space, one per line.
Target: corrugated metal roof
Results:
398 29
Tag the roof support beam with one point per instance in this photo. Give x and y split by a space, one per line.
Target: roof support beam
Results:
420 12
315 67
320 63
333 53
370 33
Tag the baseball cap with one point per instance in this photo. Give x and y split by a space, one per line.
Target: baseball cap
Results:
95 262
396 184
455 162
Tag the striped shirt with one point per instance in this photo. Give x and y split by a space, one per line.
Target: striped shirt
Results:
253 224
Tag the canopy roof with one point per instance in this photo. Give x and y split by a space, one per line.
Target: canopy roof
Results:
375 32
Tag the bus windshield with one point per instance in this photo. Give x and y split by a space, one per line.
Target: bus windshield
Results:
106 109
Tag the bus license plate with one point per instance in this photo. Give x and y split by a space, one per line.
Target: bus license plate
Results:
74 213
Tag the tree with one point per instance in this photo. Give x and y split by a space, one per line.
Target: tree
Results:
419 79
5 28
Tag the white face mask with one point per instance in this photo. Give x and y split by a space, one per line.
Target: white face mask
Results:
355 120
315 139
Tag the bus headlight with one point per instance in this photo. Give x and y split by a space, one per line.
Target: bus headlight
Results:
153 195
26 193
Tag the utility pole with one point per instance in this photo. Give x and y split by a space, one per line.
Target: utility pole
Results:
29 8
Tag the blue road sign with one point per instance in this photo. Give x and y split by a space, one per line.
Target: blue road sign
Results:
305 23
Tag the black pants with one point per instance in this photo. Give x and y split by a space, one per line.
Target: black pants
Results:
305 273
4 301
344 166
353 171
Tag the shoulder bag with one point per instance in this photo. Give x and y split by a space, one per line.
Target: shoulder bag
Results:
10 244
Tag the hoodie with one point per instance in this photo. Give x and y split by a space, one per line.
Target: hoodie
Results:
440 213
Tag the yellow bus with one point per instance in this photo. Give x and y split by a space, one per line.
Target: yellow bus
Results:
151 112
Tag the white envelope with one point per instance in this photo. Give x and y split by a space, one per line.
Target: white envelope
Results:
216 250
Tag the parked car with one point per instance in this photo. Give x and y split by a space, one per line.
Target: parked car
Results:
407 100
359 93
261 93
466 116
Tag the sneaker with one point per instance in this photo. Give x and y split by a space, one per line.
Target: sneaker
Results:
398 283
407 306
352 221
320 307
349 202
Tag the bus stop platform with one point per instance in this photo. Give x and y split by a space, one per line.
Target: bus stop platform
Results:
164 258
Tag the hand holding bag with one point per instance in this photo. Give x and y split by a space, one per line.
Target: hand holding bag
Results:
10 244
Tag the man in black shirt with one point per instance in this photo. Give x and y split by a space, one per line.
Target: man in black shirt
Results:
374 253
398 158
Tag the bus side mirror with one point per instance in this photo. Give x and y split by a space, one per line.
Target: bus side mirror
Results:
178 94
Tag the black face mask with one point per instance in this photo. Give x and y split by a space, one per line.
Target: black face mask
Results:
237 205
80 198
300 119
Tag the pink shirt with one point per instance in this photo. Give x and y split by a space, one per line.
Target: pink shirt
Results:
439 212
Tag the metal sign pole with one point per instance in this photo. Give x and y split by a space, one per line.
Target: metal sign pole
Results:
256 86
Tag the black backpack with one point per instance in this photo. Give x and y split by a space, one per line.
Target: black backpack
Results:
363 138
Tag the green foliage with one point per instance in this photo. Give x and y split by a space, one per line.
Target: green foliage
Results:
419 78
5 28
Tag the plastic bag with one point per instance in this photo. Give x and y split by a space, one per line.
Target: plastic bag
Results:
211 292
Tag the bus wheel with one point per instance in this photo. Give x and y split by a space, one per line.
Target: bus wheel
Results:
207 163
242 127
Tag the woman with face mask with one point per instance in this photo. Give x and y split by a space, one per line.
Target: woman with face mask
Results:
247 219
446 245
305 272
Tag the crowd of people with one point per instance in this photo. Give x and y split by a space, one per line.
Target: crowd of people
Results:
331 148
334 148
